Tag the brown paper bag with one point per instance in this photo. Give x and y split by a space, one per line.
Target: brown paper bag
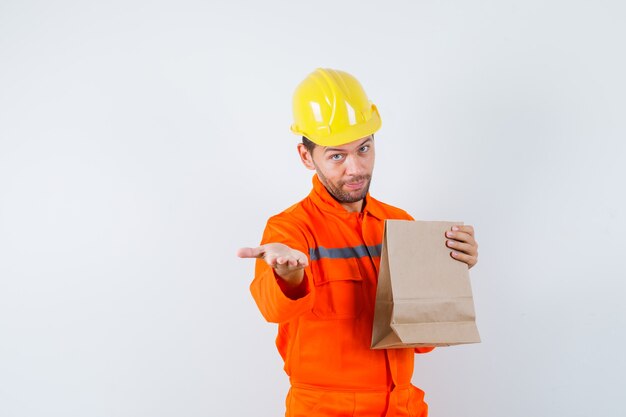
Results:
424 297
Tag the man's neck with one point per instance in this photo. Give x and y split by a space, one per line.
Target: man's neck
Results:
353 207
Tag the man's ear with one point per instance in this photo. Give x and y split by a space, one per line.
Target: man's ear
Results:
305 156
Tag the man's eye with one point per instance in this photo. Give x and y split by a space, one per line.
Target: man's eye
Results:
336 157
364 148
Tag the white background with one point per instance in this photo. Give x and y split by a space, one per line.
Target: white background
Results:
143 142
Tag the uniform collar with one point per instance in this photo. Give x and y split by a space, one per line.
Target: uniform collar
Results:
326 202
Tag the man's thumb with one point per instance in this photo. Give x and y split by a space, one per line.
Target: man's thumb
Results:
250 252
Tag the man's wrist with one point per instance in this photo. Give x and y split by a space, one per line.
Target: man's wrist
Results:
292 289
292 279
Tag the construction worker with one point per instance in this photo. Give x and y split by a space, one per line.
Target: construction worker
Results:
317 264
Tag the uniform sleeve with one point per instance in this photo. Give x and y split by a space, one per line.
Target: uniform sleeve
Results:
277 302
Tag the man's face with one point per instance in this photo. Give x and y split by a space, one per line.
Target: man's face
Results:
346 170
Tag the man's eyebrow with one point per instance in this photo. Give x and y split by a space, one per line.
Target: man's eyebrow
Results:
342 150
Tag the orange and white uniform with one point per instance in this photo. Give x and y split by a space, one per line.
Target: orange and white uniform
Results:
325 325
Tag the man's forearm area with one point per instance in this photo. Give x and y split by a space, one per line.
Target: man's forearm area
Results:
296 287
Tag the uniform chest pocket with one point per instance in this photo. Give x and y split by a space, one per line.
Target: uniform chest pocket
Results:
339 295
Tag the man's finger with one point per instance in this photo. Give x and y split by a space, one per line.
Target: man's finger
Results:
462 257
288 261
462 247
467 228
251 252
461 236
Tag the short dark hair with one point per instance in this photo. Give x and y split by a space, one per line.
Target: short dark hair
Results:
308 144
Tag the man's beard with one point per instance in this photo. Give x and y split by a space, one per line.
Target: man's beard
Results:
346 197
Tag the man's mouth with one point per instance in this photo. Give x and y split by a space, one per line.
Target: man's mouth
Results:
355 185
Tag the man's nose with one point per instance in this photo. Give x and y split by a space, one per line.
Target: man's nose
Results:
353 165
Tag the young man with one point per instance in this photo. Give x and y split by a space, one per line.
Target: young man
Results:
317 265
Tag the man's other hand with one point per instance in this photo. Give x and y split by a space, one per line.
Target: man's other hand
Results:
461 240
288 263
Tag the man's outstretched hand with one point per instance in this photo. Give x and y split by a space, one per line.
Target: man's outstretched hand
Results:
288 263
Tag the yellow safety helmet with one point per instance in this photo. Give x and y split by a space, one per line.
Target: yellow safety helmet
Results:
331 108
